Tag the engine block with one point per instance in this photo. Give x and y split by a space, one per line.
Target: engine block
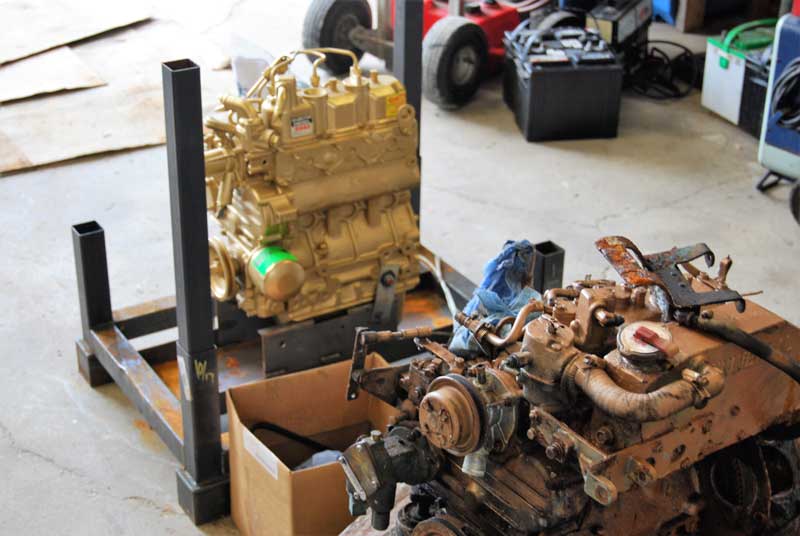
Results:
663 405
311 190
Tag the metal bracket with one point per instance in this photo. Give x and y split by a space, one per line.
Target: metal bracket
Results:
311 343
662 270
382 382
372 41
665 265
385 294
366 337
357 364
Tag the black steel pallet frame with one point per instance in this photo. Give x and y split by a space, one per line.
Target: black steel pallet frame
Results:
190 427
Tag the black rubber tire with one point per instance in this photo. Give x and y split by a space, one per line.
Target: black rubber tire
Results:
558 19
327 23
446 38
794 202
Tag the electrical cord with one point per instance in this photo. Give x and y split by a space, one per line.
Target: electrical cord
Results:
649 70
652 73
436 269
786 97
741 338
303 440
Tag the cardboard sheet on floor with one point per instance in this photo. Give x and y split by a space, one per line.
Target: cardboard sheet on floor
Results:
32 26
55 70
127 112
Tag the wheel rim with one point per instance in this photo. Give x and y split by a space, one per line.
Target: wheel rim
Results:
464 68
341 34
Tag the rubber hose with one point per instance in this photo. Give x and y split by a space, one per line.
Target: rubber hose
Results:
645 407
753 345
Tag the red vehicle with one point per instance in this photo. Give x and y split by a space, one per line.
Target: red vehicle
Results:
463 40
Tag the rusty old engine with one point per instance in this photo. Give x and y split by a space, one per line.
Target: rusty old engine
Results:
656 406
311 189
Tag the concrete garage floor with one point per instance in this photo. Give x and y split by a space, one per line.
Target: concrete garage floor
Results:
81 461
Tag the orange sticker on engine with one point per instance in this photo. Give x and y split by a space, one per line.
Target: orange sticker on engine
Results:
393 103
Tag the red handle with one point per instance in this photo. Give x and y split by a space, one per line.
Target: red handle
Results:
796 8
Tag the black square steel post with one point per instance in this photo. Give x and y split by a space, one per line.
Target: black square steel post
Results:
407 62
203 489
91 267
548 266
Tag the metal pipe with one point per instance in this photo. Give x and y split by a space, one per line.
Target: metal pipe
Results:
514 335
240 106
551 295
647 407
217 124
217 161
503 322
474 325
280 103
606 318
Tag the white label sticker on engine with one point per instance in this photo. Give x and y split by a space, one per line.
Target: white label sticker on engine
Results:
302 126
260 452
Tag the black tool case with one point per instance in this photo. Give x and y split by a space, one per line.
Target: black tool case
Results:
562 83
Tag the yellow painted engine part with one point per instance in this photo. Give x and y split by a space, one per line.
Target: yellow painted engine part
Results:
311 190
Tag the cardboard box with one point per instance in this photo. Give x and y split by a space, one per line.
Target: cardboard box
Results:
268 497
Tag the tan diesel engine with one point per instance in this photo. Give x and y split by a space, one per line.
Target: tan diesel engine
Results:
656 406
311 189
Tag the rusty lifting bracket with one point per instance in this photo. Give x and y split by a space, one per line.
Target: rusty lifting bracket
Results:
663 270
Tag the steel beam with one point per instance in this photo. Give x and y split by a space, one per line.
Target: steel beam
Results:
548 266
407 63
104 353
91 268
145 318
141 385
202 487
407 66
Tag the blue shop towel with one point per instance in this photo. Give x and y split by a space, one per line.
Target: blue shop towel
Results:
502 292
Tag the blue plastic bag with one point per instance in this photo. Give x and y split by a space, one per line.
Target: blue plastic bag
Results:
503 292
